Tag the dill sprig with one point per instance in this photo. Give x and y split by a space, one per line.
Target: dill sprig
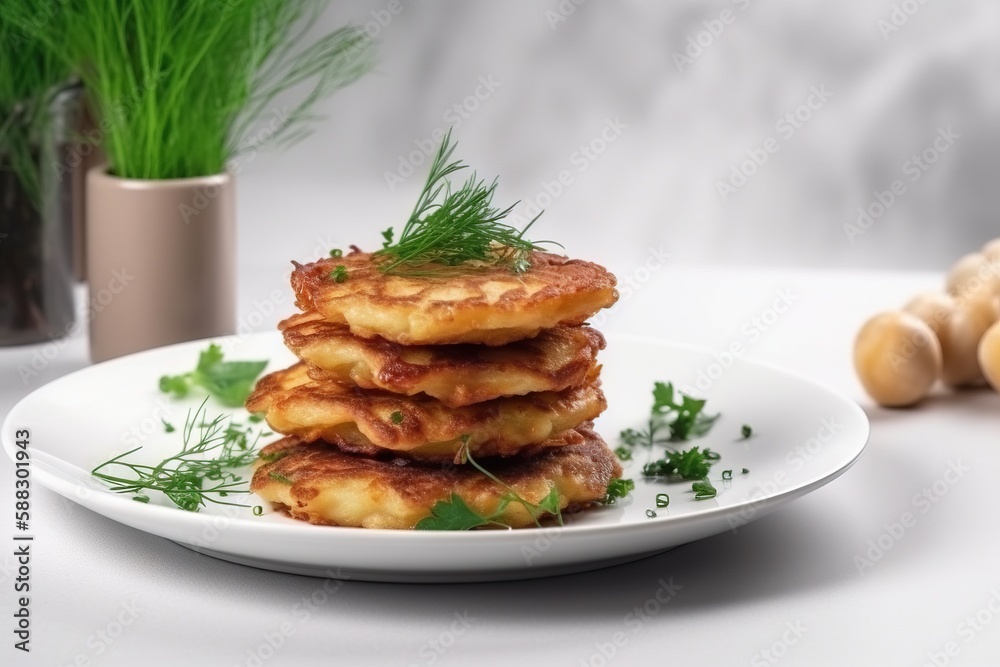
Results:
449 227
202 471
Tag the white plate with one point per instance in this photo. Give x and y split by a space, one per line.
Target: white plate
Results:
804 436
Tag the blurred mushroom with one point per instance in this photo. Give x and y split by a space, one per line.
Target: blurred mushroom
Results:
897 358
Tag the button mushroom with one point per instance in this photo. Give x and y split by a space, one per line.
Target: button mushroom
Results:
934 308
897 358
960 339
974 273
989 355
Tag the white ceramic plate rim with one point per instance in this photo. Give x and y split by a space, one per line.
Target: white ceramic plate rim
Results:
120 507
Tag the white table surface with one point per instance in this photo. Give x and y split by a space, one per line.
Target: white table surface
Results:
788 583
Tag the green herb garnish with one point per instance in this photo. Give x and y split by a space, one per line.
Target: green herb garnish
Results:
662 500
617 488
336 253
339 274
396 417
746 470
167 426
650 514
688 419
230 382
727 475
670 420
270 457
623 453
455 514
675 417
202 471
704 490
278 477
449 227
746 431
692 463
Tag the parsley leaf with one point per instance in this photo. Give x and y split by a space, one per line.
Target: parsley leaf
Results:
339 274
674 417
551 504
618 488
230 382
704 490
690 420
692 463
451 514
455 514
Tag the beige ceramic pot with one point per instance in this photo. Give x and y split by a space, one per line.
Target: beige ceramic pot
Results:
160 261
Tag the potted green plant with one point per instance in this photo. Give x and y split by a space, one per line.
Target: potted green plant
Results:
36 110
181 88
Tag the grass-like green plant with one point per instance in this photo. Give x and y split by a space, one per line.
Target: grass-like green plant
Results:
183 86
28 74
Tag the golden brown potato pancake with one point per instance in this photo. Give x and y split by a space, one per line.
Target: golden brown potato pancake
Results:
367 421
485 304
456 375
319 483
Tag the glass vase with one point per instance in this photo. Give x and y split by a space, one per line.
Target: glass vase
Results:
37 204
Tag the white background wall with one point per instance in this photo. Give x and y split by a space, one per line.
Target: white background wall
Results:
557 82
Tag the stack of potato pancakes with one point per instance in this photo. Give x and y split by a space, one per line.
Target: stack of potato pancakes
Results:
402 377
